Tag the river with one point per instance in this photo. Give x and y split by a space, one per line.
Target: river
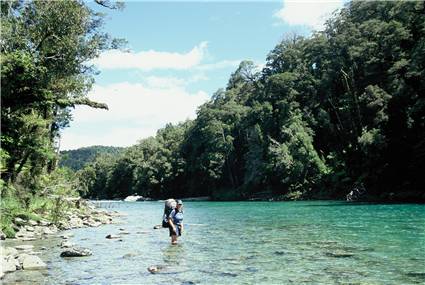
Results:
310 242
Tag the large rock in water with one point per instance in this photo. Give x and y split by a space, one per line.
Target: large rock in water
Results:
8 265
76 252
134 198
32 262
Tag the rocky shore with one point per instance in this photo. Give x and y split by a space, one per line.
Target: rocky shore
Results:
22 256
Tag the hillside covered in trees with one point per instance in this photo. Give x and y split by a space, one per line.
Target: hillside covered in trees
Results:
343 107
46 48
76 159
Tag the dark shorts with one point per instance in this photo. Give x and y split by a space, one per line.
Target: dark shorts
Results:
173 233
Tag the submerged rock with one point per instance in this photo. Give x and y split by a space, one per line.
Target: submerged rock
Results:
129 255
340 254
154 269
110 236
76 252
32 262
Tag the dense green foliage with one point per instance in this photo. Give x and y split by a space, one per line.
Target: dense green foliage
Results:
342 107
46 48
76 159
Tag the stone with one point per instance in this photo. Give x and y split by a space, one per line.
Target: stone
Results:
17 264
129 255
29 229
153 269
2 235
124 233
33 262
32 223
8 265
24 247
67 244
19 221
47 231
112 236
9 251
76 252
44 223
28 238
21 257
340 254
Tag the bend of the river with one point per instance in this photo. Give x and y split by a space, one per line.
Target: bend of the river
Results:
311 242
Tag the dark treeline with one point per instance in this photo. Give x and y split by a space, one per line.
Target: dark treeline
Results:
342 107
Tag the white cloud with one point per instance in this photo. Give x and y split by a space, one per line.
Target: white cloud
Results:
149 60
311 13
135 111
218 65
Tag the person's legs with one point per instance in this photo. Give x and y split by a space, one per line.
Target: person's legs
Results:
174 239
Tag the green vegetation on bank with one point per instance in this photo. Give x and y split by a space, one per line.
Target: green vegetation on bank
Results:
343 107
76 159
46 48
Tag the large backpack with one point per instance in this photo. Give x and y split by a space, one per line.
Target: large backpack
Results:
169 206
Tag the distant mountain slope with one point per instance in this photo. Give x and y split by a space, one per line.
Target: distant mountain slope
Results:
77 158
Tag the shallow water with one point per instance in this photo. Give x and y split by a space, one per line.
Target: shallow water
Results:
322 242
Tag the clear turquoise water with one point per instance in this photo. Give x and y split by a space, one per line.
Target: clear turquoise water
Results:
322 242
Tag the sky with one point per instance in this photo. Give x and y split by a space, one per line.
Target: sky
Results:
178 55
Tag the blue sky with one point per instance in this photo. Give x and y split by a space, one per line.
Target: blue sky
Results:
179 54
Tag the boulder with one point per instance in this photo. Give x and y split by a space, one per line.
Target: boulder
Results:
24 247
8 264
76 252
112 236
33 262
47 231
18 265
32 223
27 238
29 229
9 251
44 223
2 235
67 244
134 198
19 221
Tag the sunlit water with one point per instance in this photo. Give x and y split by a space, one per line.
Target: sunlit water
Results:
248 243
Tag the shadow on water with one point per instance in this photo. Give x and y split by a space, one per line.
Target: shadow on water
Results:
173 254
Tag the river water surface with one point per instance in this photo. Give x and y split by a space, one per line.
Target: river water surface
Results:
322 242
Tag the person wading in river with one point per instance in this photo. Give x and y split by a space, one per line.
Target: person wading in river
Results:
175 222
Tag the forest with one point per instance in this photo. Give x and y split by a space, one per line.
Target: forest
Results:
46 48
339 109
342 108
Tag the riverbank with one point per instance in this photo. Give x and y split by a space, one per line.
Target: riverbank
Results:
21 256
